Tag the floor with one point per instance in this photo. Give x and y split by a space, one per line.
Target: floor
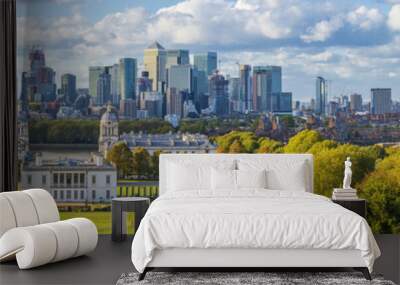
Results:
110 260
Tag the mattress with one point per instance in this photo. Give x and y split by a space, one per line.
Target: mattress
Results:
250 219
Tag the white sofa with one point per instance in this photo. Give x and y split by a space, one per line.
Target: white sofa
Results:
31 230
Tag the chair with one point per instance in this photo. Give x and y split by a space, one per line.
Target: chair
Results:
31 231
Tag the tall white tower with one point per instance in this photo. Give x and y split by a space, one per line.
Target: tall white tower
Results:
108 130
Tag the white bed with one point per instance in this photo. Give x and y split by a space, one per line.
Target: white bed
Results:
250 227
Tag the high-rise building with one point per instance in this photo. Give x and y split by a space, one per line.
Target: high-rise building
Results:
152 102
94 74
127 108
155 58
218 92
267 80
356 102
143 82
38 84
177 57
175 99
114 85
285 102
127 78
180 77
381 100
206 62
36 59
321 96
245 88
103 89
68 87
234 91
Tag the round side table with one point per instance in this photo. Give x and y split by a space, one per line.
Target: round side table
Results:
119 207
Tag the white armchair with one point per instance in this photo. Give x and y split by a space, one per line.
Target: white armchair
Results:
31 230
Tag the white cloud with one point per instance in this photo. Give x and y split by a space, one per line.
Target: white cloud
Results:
394 18
365 18
322 30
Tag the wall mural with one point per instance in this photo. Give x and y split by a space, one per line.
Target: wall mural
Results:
104 87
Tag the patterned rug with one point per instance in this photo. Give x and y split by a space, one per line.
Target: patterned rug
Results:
243 278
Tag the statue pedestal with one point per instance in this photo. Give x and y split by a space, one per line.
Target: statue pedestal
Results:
344 194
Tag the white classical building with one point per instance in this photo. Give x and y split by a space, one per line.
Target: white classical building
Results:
169 142
72 180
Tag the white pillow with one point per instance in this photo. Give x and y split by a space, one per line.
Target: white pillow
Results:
282 174
293 178
223 179
251 178
193 176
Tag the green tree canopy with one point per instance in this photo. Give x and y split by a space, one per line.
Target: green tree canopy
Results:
381 188
329 166
302 141
141 162
237 147
247 140
154 162
121 156
267 145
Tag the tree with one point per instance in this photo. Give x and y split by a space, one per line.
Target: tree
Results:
154 164
329 166
121 156
236 147
267 145
302 141
382 190
141 162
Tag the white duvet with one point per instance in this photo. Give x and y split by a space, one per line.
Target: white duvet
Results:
250 219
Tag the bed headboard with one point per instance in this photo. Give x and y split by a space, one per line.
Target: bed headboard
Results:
205 159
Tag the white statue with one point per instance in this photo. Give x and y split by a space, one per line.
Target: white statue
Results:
347 174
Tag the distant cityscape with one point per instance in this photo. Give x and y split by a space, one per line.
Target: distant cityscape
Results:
174 89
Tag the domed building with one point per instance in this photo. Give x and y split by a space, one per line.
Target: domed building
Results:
108 130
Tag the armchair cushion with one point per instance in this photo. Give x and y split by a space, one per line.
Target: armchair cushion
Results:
31 232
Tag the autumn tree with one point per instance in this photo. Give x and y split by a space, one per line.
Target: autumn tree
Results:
141 162
267 145
381 188
121 156
236 147
154 164
302 141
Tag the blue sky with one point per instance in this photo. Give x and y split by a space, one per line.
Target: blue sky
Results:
356 45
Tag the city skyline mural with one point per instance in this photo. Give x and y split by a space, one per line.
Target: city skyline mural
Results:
105 87
347 44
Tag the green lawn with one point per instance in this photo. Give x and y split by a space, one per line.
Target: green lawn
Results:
102 220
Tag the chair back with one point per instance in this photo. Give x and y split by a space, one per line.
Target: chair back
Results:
26 208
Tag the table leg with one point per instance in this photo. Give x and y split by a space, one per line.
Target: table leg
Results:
116 222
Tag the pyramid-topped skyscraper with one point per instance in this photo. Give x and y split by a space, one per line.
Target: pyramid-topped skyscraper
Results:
155 57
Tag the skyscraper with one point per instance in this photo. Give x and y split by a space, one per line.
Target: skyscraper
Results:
94 73
127 78
381 100
155 58
285 102
114 86
245 88
180 77
267 80
68 87
206 62
177 57
103 89
355 102
175 99
39 83
321 96
218 92
233 90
